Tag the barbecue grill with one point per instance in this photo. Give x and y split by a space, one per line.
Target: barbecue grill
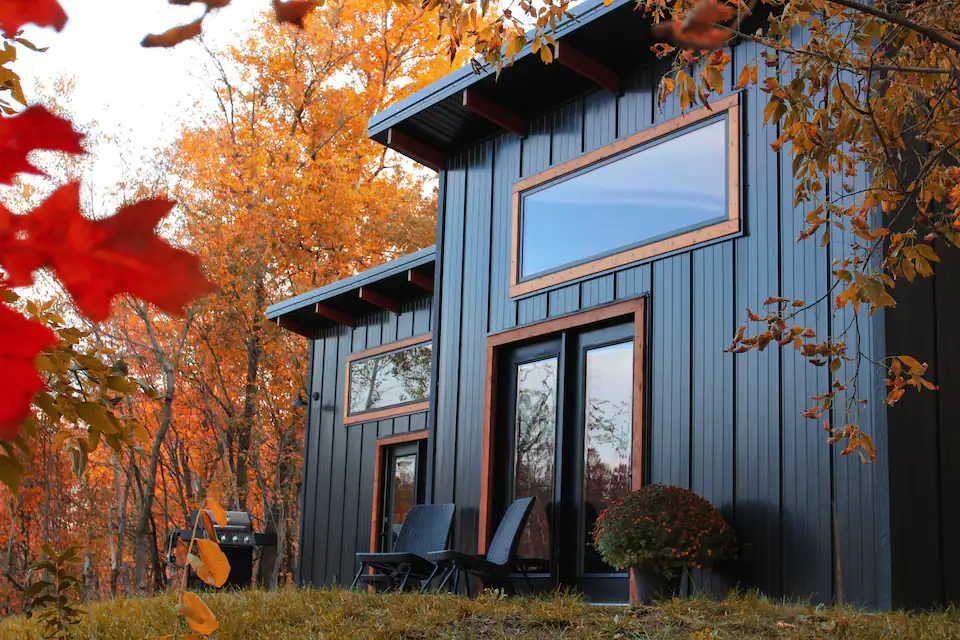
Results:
237 539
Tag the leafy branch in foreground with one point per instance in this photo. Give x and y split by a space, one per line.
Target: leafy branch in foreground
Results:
210 565
54 599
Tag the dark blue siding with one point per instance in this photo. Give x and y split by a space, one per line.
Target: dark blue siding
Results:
756 461
339 460
669 426
727 426
476 267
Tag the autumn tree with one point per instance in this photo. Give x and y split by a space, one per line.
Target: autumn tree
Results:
282 193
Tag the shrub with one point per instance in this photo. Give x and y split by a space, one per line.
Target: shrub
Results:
663 528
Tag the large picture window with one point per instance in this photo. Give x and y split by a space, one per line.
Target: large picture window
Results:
389 380
672 186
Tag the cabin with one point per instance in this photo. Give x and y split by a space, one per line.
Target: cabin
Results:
564 338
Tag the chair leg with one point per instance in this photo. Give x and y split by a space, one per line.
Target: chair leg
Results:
526 577
357 577
446 578
456 582
406 577
433 574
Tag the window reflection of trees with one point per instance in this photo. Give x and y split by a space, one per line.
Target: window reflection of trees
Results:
404 493
535 450
390 379
608 437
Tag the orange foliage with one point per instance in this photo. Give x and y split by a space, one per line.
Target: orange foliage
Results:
279 192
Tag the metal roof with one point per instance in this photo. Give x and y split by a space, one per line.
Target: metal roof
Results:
391 280
615 36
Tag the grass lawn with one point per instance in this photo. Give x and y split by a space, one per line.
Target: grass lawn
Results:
307 614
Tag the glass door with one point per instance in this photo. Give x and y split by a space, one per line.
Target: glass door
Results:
599 455
566 423
531 380
401 490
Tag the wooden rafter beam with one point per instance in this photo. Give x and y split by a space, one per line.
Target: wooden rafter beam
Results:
296 326
410 146
587 67
421 280
379 300
493 112
335 315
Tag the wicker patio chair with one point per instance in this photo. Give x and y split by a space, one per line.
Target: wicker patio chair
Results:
493 569
425 529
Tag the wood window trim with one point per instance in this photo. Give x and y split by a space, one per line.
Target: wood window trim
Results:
636 309
383 443
388 412
732 225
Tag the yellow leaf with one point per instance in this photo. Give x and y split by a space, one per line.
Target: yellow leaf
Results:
203 572
208 524
546 54
911 362
908 270
515 45
927 252
215 560
198 615
714 76
744 78
219 515
774 110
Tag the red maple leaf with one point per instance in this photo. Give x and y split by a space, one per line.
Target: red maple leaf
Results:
43 13
99 259
35 128
294 11
21 340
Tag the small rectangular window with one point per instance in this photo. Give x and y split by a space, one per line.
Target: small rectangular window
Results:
667 188
388 383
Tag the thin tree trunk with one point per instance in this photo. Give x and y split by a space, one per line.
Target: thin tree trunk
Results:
250 394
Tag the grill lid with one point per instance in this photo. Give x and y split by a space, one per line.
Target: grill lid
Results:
237 521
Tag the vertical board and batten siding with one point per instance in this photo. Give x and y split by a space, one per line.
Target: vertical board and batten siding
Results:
728 427
924 442
339 460
805 490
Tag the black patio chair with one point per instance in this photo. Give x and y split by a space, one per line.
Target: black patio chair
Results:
425 529
493 569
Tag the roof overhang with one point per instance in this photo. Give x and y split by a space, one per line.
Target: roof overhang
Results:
595 48
386 287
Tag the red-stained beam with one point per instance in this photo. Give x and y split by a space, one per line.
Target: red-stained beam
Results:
379 300
336 315
494 112
422 153
587 67
421 280
296 326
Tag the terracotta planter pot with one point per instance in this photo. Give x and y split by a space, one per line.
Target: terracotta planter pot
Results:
648 584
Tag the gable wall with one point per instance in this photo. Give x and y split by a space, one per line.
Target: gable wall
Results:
338 458
727 427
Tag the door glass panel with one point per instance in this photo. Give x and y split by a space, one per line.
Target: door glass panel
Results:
536 432
404 493
607 438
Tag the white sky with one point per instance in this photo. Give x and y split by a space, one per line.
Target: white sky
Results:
139 95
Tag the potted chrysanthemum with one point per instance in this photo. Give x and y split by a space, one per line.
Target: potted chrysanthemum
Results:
658 531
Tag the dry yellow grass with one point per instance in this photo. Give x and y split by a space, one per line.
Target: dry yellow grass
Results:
308 614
